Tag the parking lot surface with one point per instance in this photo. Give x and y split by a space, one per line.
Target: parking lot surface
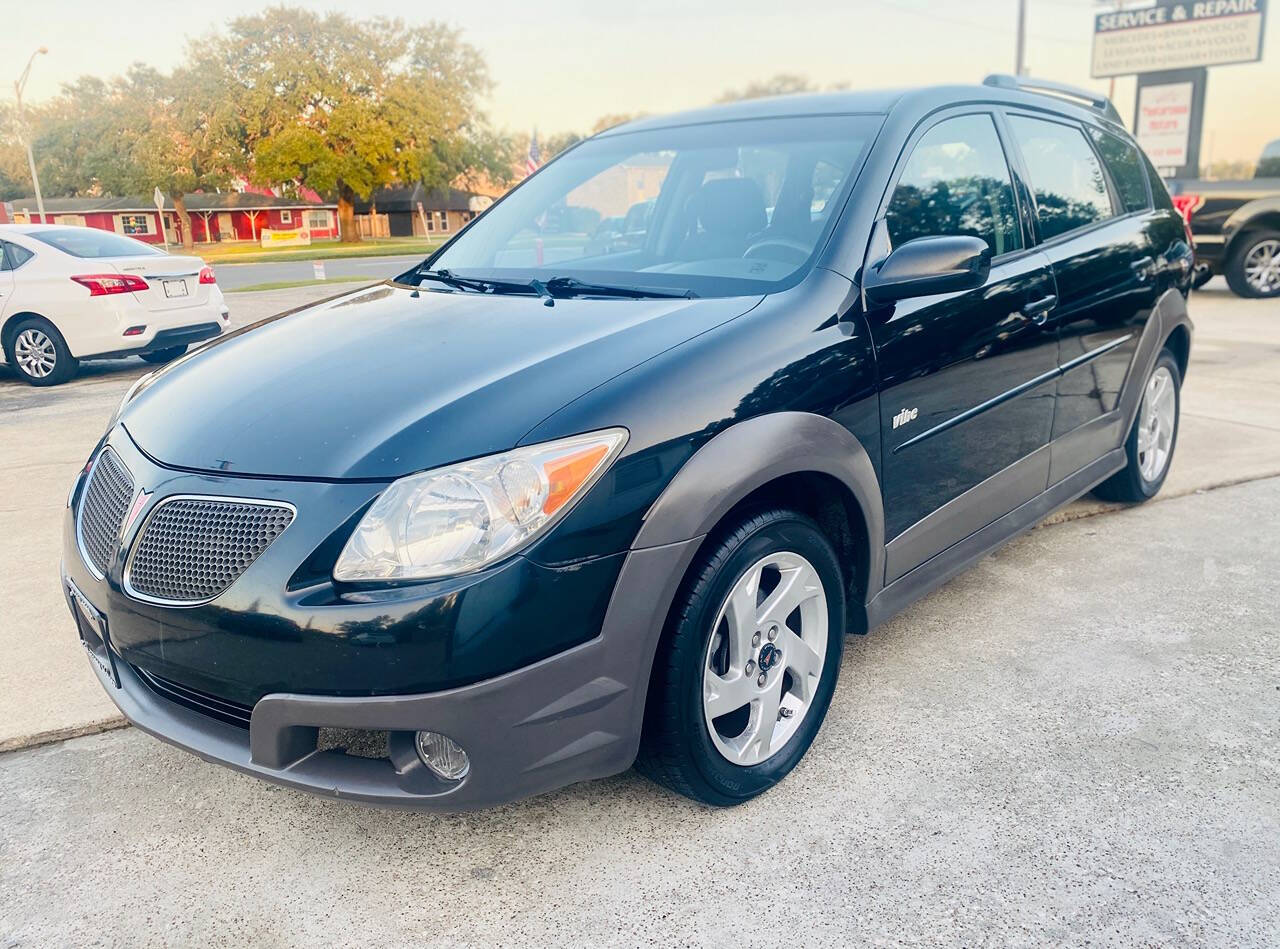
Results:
1072 743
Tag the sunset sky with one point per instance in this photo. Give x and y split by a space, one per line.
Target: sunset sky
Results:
561 64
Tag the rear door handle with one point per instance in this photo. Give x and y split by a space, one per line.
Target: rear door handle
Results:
1038 310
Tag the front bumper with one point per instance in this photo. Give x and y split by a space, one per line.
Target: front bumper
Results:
561 718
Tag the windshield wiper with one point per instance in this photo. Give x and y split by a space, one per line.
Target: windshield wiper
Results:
479 285
571 287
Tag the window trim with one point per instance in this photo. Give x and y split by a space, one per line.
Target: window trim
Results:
1113 194
926 125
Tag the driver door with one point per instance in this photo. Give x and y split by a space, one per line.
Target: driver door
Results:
967 378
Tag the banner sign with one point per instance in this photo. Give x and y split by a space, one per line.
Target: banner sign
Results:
294 238
1177 35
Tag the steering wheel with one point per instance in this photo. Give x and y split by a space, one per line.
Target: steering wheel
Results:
796 251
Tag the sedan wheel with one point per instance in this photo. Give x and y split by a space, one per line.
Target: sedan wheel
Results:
764 661
34 353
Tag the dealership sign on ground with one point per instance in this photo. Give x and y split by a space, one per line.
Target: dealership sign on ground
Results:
1173 35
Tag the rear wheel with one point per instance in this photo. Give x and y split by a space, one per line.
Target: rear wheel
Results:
748 666
1151 441
38 354
1254 268
160 356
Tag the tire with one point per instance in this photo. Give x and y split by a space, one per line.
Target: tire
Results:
1254 268
1141 478
29 347
161 356
678 749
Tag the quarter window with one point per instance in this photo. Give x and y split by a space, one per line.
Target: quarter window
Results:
1069 186
15 256
1121 159
957 183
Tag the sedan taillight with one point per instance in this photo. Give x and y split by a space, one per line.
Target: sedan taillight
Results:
206 275
105 284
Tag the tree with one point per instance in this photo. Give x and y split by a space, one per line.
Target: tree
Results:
347 106
780 85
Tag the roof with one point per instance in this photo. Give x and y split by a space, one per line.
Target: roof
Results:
226 201
405 198
870 102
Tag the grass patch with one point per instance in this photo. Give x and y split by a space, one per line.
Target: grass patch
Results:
323 250
291 284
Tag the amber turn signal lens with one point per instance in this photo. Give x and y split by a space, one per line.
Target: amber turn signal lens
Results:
565 475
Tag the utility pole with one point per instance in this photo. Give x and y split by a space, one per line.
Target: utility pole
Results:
20 84
1020 65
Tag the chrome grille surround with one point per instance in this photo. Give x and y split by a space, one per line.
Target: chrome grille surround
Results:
193 547
102 511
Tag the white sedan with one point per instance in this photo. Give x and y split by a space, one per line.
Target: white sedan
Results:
69 293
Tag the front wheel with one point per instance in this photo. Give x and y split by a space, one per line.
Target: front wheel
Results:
1149 447
748 665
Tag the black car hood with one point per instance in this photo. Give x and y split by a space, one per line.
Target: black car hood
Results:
382 382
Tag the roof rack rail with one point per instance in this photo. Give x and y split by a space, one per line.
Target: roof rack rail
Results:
1095 101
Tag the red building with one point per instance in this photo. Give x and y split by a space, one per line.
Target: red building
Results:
215 218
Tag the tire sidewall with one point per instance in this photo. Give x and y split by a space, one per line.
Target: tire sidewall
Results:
1152 488
1235 271
64 366
793 533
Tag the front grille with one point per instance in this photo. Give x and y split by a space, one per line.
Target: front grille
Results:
106 501
233 713
191 549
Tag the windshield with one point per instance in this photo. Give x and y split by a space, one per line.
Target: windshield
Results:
719 209
90 242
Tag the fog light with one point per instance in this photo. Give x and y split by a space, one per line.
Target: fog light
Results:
443 756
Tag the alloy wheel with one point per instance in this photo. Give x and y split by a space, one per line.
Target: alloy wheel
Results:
1157 420
765 658
35 353
1262 266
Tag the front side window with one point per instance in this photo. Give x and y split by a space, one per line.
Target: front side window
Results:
1122 161
1069 186
90 242
720 209
956 183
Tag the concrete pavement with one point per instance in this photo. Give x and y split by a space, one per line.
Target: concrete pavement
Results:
1072 743
1231 432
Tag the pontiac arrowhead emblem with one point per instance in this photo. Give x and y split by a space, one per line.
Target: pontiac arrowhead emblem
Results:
138 504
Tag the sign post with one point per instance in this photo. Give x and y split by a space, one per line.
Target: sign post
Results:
158 198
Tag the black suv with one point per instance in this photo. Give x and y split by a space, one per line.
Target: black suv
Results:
535 510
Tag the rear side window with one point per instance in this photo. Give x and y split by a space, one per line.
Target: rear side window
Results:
1122 160
1069 186
14 256
956 182
89 242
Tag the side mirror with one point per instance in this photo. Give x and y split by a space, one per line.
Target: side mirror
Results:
929 265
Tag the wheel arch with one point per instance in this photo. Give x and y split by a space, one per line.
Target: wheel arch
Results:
1260 215
6 331
794 459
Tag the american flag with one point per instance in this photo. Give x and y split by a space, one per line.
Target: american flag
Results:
534 158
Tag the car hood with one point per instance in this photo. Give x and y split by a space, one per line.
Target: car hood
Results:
388 381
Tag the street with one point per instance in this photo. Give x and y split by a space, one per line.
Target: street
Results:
236 276
1073 742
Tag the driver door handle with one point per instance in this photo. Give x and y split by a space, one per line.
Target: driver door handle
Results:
1038 310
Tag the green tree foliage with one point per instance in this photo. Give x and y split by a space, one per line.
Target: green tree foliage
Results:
347 106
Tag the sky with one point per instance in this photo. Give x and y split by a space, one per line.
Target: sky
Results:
559 65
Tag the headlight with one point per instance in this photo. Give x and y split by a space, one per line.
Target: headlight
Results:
463 517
